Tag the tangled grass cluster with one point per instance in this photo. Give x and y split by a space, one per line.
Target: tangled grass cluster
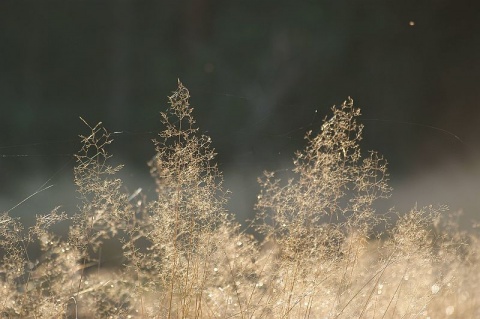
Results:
185 256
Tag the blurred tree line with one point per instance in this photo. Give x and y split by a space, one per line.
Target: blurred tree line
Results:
260 73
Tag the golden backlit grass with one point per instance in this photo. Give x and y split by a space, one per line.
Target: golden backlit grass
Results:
184 255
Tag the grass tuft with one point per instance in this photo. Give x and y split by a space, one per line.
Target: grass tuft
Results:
183 255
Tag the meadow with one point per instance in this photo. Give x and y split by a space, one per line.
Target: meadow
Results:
317 248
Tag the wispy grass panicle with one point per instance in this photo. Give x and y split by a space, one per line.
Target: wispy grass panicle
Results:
183 165
186 216
330 192
103 199
322 218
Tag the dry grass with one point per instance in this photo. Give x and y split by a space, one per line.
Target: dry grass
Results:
184 256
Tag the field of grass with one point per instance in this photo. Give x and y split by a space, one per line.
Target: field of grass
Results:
320 249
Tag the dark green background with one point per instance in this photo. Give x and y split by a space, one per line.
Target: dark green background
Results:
257 72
